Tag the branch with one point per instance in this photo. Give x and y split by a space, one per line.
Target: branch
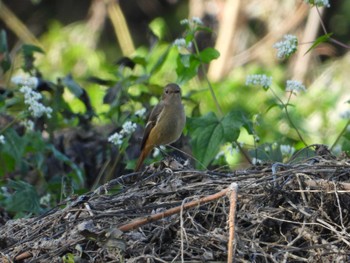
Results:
176 210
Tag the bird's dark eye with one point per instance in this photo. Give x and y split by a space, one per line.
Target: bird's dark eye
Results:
166 91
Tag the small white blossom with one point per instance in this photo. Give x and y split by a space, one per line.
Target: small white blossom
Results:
140 113
256 138
128 128
46 199
256 161
194 21
28 124
25 81
180 43
259 80
157 150
219 155
184 21
31 98
294 86
345 115
319 2
197 20
286 47
2 139
287 150
116 139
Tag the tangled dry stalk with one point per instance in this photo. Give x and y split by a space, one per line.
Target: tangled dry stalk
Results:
285 213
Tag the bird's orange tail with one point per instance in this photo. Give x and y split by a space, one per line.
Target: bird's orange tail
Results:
144 153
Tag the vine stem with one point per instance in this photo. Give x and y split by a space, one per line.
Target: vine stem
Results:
207 80
340 134
285 108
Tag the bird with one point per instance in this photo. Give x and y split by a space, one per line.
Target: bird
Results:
165 123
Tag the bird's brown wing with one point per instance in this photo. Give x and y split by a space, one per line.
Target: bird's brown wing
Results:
152 120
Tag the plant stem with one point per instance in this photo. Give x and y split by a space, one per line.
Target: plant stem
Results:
285 108
340 135
207 80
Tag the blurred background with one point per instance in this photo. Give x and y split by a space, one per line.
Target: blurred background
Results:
89 45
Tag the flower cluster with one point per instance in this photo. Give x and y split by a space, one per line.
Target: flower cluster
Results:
259 80
31 97
194 21
181 44
294 86
319 3
2 139
286 47
287 150
28 124
127 129
345 115
140 113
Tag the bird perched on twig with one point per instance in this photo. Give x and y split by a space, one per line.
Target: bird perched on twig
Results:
165 124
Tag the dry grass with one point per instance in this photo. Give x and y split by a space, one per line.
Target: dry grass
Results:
285 213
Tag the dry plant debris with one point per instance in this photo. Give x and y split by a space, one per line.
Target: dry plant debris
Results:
285 213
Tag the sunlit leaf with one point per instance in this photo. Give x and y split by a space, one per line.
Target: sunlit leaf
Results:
318 41
158 27
209 133
208 54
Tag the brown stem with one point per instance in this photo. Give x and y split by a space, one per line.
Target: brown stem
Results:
138 222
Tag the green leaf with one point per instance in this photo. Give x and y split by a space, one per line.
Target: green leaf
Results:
160 61
77 176
4 53
318 41
24 198
187 67
209 133
73 86
29 50
158 27
208 54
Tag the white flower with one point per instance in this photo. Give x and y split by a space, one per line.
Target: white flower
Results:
287 150
194 21
28 124
128 128
219 155
345 115
294 86
287 47
116 139
259 80
256 161
2 139
31 98
140 113
180 43
25 81
197 20
184 21
157 150
318 3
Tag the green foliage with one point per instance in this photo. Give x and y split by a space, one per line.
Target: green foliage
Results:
21 198
319 40
209 133
86 89
5 62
